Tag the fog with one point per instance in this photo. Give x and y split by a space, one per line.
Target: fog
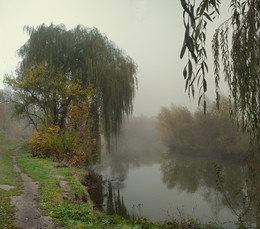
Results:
12 128
137 145
177 131
158 180
151 32
175 136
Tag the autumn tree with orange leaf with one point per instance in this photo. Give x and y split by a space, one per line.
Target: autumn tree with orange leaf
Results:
43 99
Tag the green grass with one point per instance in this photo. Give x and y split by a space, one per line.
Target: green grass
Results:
9 177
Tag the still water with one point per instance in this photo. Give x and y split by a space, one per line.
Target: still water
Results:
164 187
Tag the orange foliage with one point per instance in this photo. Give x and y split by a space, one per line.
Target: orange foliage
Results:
75 145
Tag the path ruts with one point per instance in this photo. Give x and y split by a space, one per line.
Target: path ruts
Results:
28 214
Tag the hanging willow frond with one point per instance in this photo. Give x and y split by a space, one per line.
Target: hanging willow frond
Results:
195 22
241 63
236 45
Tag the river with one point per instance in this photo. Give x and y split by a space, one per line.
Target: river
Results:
169 187
141 177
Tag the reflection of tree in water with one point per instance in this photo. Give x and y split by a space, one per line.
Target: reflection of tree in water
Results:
193 174
181 175
115 203
137 145
108 199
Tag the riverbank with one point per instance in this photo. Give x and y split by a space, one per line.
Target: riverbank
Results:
62 196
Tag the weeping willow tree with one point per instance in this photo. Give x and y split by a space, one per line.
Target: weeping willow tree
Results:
236 50
86 57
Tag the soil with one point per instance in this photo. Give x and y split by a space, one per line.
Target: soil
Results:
6 187
28 214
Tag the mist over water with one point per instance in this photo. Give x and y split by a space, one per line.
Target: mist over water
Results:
142 177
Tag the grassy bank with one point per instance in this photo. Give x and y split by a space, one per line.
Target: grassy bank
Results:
69 209
8 177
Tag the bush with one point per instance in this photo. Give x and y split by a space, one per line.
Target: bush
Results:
58 145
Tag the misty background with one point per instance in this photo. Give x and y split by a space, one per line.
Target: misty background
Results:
150 31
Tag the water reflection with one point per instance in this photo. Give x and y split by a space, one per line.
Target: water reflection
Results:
174 183
141 178
115 202
193 174
107 198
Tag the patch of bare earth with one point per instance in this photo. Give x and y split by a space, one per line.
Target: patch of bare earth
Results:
65 187
28 214
6 187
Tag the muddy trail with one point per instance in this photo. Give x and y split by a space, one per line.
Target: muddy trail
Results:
28 214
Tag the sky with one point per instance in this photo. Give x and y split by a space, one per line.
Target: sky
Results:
149 31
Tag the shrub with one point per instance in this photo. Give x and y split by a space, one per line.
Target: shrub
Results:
59 145
75 144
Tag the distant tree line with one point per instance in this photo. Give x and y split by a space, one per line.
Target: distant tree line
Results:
212 135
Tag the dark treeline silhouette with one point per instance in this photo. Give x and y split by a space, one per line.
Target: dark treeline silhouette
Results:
212 135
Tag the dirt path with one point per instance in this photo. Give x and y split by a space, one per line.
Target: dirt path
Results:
28 214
